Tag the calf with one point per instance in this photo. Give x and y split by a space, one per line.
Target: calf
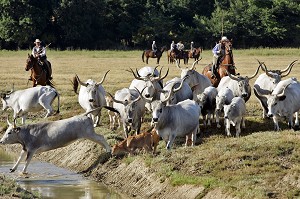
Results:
30 100
223 97
45 136
207 103
145 140
234 114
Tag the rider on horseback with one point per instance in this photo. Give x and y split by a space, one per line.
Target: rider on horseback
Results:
154 48
39 52
218 52
192 48
180 47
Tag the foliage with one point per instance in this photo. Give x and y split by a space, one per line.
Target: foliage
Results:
128 24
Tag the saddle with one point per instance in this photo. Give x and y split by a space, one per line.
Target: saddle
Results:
46 68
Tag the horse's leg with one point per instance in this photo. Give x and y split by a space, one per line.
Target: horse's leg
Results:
147 60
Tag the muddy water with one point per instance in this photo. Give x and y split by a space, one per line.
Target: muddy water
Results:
53 182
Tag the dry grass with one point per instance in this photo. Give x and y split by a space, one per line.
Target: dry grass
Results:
259 164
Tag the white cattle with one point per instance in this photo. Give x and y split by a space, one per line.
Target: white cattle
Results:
91 95
131 108
207 103
238 84
181 119
223 97
150 84
45 136
195 80
179 90
234 114
30 100
284 101
266 82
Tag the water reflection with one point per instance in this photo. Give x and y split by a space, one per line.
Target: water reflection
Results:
54 182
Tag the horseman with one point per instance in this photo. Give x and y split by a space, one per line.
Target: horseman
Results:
218 53
180 47
39 52
154 48
193 48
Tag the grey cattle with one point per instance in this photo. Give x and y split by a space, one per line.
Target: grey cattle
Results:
284 101
45 136
266 82
238 84
195 80
223 97
207 103
131 108
91 95
234 114
179 90
30 100
181 119
150 84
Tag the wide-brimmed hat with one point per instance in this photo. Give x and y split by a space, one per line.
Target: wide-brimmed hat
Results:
37 41
224 38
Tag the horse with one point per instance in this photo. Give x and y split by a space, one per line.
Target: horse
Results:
195 53
150 53
38 74
175 54
226 64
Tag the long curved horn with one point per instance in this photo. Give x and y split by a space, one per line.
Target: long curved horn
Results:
141 95
231 76
80 82
103 78
181 84
161 78
135 76
170 94
264 68
177 64
251 77
290 69
7 120
115 100
283 90
193 65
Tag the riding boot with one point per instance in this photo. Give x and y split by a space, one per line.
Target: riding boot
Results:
213 71
30 78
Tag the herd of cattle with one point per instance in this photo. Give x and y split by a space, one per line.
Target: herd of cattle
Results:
176 107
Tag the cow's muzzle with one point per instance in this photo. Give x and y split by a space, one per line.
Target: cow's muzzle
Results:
129 120
226 117
91 100
155 120
147 95
270 115
245 95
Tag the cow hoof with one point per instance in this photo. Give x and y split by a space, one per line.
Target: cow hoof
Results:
12 170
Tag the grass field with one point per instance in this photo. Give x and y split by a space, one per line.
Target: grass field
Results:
260 164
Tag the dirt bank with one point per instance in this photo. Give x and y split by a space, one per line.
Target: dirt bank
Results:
134 179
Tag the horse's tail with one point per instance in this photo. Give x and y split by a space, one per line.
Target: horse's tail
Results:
143 56
75 84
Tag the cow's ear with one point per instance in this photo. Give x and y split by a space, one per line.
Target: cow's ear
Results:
281 98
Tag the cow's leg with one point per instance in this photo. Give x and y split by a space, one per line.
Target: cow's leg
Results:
22 154
227 128
100 140
243 123
46 104
238 129
208 119
28 159
170 141
194 135
98 119
276 126
218 119
296 119
188 140
290 123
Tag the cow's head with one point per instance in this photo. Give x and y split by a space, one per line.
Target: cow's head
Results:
274 103
4 98
11 134
230 111
220 102
190 72
201 99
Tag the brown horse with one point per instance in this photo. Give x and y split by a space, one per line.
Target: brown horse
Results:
38 74
150 53
195 53
178 55
226 63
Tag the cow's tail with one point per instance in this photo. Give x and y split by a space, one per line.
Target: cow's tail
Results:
75 84
58 102
143 56
98 109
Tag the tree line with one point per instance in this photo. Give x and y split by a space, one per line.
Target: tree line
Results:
131 24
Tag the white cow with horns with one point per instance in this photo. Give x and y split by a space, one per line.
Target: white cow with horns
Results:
45 136
91 95
30 100
284 101
170 121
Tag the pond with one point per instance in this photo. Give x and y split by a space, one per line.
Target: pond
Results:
54 182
